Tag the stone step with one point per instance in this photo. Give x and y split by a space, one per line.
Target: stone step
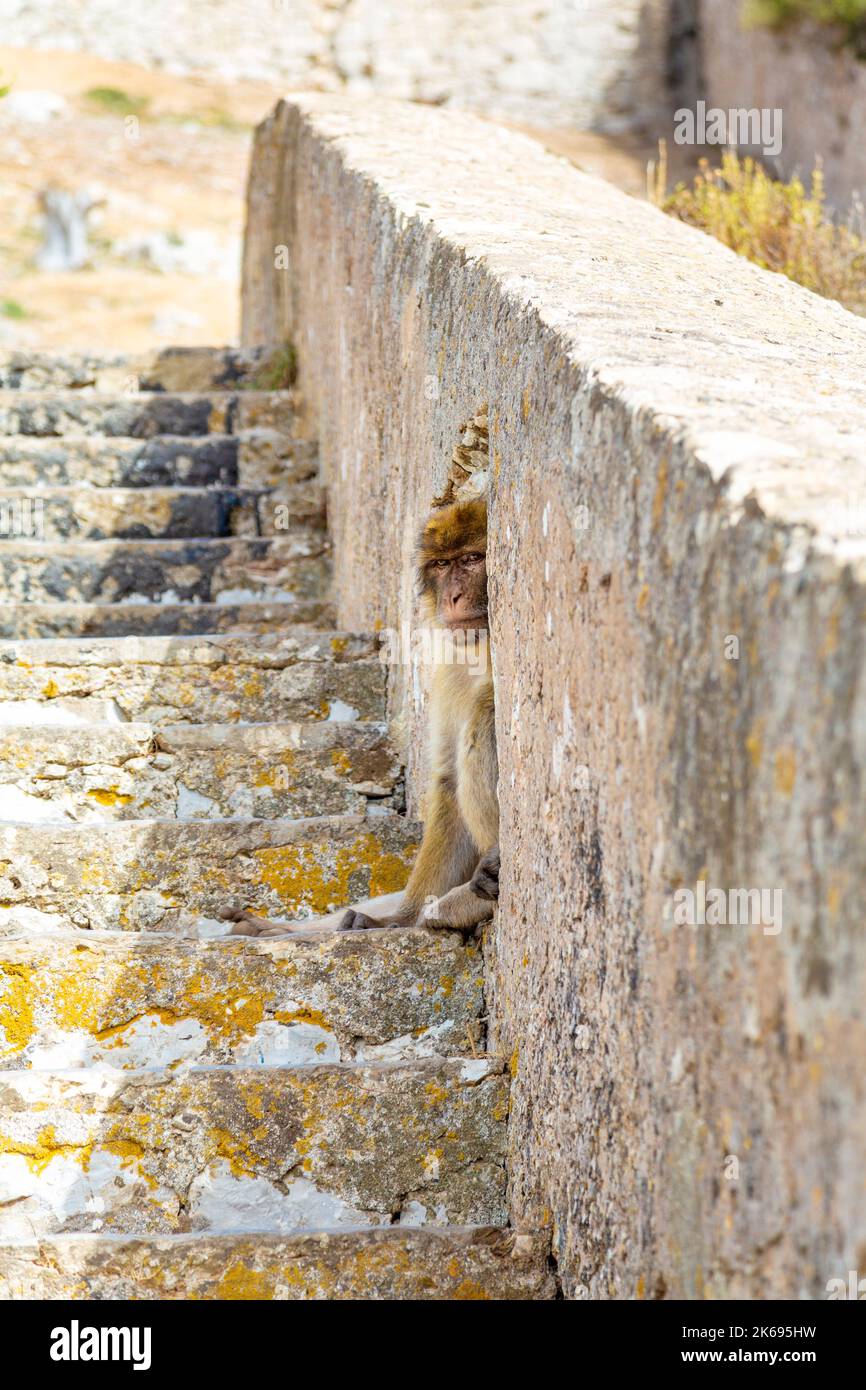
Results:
96 999
40 620
145 876
86 513
397 1263
165 369
284 1149
141 415
254 458
118 772
295 566
213 368
40 371
212 679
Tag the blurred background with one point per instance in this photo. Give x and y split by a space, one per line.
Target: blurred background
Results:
125 131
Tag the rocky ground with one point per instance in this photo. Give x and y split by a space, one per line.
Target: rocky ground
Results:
167 157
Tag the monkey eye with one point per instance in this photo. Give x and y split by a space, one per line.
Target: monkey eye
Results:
473 559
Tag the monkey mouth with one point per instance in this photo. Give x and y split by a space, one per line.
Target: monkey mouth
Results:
478 620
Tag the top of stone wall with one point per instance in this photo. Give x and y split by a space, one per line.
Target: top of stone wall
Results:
763 382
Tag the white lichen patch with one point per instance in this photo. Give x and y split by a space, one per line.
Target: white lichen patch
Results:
24 807
339 712
287 1045
65 1191
148 1041
220 1200
63 713
430 1043
191 805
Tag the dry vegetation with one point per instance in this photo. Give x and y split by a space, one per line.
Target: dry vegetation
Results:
849 16
779 226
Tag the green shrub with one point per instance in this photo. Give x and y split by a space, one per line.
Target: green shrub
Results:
11 309
116 102
777 225
849 15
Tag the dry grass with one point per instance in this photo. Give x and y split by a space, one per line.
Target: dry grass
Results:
779 226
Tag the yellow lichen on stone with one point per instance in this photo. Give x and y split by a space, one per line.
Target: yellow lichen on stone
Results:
755 747
435 1093
281 776
240 1283
237 1154
114 1036
94 876
44 1149
75 999
224 677
469 1290
233 1012
253 1096
660 493
109 796
296 875
17 997
303 1015
786 771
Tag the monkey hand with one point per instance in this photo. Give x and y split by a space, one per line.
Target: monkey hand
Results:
459 910
485 881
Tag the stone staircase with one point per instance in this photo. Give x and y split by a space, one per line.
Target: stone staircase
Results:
183 1114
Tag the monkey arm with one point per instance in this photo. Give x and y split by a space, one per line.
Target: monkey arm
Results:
470 903
478 774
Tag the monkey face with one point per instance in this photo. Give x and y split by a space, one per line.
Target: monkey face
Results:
461 590
453 565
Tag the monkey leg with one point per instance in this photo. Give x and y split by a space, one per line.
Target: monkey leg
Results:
246 924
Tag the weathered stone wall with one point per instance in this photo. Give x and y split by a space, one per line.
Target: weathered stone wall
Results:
676 445
543 62
806 72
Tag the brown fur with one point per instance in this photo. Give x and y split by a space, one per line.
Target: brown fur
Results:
455 877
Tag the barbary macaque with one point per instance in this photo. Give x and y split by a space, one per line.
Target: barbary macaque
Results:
455 879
